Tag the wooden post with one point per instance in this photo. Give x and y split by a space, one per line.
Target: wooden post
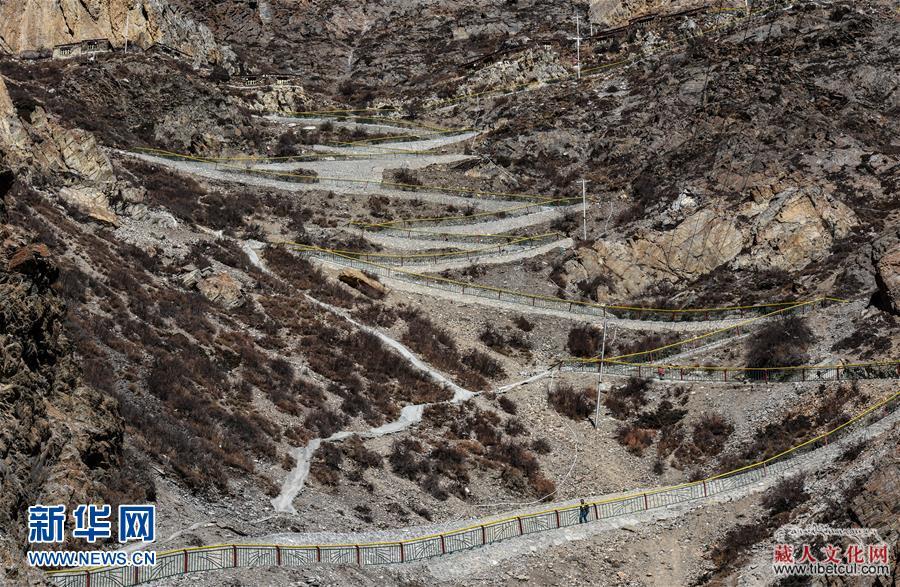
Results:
521 530
358 557
87 579
483 535
185 561
557 517
704 488
402 555
277 555
443 546
233 555
646 502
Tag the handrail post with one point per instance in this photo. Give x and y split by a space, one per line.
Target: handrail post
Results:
185 560
646 502
234 560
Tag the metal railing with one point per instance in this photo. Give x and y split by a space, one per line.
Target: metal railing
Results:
484 532
518 245
573 307
851 371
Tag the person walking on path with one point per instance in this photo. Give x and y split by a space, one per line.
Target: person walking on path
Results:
583 512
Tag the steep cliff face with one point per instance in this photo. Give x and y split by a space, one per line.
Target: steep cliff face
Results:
36 24
59 440
71 158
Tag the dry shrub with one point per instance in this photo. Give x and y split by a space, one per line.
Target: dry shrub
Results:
324 474
405 459
663 416
635 439
523 324
711 432
780 343
438 347
543 487
503 341
572 403
737 541
359 454
646 343
407 177
773 439
584 340
541 446
483 364
507 405
324 421
786 495
624 401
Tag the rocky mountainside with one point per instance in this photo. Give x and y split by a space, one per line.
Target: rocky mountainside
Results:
162 340
35 25
706 190
61 440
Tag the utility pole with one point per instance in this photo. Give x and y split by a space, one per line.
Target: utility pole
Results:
584 208
600 378
578 43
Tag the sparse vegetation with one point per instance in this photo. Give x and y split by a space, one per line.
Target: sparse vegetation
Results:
504 341
584 341
624 401
572 403
783 342
786 495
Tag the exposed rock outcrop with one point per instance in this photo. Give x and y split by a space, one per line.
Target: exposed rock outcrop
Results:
58 438
223 289
533 65
279 99
367 285
69 158
792 229
795 228
36 24
90 201
888 277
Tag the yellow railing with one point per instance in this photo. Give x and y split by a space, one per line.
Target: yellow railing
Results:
481 532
